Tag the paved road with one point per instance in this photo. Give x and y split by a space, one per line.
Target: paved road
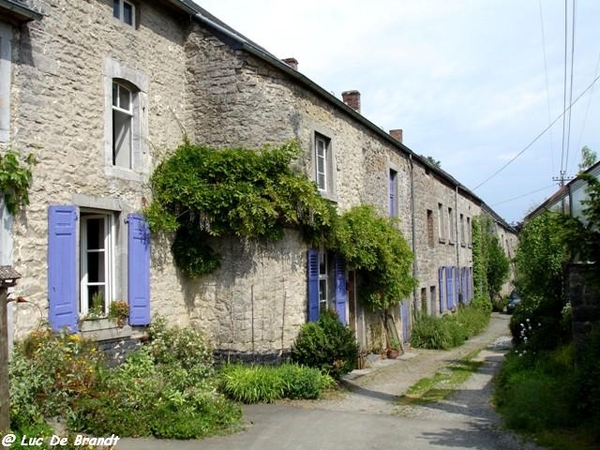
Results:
367 417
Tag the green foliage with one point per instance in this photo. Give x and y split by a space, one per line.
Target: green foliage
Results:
374 246
15 179
540 259
588 158
326 345
200 192
450 330
165 388
490 264
265 384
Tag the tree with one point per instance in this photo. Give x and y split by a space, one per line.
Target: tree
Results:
434 162
588 158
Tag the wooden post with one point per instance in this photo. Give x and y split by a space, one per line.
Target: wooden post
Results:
8 278
4 391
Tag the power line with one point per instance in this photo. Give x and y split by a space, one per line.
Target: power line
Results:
538 136
564 118
523 195
546 77
571 83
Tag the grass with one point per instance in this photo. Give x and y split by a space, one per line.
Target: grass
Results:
442 384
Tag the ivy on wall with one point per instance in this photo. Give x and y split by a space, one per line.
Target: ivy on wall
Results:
201 192
15 179
374 246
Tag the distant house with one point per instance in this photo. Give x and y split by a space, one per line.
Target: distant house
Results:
99 91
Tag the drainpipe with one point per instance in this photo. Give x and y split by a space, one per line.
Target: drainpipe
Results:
458 245
414 228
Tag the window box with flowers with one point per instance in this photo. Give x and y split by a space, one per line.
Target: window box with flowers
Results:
111 326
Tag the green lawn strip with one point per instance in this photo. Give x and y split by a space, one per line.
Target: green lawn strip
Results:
443 383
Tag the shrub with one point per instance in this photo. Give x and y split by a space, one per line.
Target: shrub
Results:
326 345
264 384
164 389
450 330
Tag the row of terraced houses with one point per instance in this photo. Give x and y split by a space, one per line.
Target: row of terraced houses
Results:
97 89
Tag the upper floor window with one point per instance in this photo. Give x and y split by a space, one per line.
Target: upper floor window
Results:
322 158
441 223
430 228
5 80
124 11
122 144
463 240
393 193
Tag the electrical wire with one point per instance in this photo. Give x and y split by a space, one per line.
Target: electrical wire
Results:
522 195
539 135
571 84
546 76
564 118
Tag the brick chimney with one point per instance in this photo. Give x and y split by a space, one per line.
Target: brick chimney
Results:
396 134
292 62
352 99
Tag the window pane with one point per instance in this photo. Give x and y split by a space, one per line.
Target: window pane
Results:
96 299
116 8
323 290
121 139
115 100
124 98
128 13
95 234
95 265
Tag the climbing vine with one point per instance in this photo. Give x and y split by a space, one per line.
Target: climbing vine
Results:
374 246
15 179
201 192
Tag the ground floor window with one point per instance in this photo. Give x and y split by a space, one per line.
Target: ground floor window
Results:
326 284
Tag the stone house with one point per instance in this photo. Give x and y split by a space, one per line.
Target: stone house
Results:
99 91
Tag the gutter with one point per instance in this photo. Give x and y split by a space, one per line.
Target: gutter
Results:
413 231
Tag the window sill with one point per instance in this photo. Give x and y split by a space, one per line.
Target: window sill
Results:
125 174
104 330
442 241
463 245
329 196
451 243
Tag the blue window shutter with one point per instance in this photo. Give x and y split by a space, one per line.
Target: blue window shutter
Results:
449 287
138 269
393 190
442 290
341 295
455 271
313 284
62 267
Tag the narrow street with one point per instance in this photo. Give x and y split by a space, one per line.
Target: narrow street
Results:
368 416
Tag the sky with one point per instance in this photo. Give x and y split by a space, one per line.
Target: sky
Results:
472 83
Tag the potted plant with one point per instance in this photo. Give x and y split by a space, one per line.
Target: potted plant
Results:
119 311
393 350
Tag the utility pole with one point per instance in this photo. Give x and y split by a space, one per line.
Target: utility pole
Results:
8 278
561 181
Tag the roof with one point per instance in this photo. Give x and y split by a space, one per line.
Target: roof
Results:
19 11
241 42
561 193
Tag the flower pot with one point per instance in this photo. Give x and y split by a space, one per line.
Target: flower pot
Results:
392 353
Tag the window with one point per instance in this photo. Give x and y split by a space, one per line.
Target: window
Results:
84 273
462 230
393 193
5 79
322 158
451 228
124 11
122 143
469 231
324 296
441 224
96 250
326 285
430 228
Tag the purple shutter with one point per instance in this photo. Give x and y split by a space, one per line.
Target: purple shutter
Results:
470 283
313 284
449 288
341 294
442 290
62 267
463 285
138 269
456 272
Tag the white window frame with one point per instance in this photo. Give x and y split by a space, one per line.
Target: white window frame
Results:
140 156
324 297
118 110
322 158
121 13
109 260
